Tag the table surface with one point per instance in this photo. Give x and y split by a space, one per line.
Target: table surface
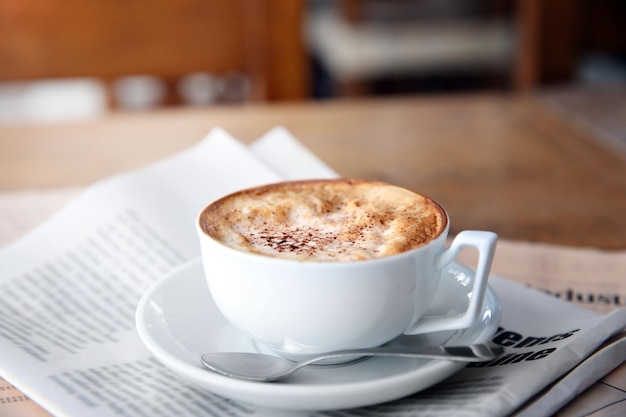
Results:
496 162
502 163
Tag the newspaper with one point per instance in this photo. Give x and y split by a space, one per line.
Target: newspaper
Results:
69 289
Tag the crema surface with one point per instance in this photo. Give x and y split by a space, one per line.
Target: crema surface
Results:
324 220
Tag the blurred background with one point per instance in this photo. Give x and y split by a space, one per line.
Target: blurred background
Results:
76 59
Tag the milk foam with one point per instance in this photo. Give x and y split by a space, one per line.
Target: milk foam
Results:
327 220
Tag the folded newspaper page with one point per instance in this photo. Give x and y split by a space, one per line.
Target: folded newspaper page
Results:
69 290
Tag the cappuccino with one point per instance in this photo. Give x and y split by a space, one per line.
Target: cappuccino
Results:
324 220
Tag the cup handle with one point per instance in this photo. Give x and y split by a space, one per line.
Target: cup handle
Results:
485 242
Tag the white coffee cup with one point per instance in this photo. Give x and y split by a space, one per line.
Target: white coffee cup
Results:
298 308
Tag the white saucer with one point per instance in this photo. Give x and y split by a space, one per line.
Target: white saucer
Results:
178 321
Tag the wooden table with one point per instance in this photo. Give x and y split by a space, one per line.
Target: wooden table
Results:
501 163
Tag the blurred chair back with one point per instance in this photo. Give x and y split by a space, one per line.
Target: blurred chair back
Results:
167 40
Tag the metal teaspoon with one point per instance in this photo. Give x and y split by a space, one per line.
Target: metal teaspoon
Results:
268 368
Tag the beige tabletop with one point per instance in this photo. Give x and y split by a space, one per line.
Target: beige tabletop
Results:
553 191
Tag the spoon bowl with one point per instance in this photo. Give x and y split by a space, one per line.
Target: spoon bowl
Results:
267 368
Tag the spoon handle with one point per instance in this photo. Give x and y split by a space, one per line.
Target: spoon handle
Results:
470 353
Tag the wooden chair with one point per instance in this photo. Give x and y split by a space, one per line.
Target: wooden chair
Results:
169 39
